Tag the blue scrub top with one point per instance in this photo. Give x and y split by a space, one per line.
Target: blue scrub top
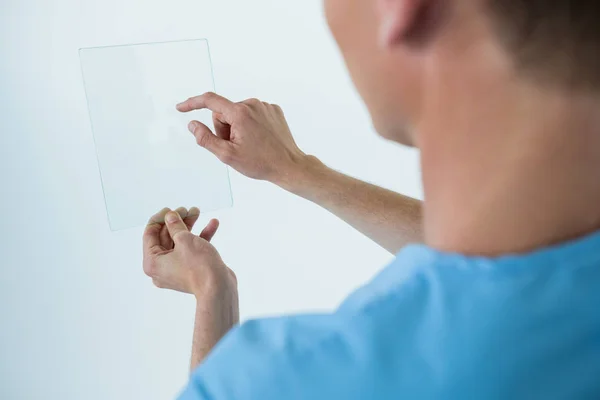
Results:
430 326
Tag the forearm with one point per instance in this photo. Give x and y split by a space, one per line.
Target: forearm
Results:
215 316
388 218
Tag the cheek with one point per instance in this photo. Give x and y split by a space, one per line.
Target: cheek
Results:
349 20
337 15
353 25
386 82
393 98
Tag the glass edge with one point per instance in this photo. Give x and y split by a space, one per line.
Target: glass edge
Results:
143 44
114 227
93 132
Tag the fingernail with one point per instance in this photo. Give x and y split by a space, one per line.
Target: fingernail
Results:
192 126
172 217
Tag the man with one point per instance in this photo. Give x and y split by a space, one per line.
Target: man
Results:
503 300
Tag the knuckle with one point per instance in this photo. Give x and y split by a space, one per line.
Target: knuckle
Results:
157 283
244 112
149 267
232 275
209 95
226 157
179 236
182 238
201 138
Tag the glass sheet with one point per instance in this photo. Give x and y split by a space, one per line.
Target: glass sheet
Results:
147 158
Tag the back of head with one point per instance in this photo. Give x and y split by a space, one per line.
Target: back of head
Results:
554 42
502 98
400 51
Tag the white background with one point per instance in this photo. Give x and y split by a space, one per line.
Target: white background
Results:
79 320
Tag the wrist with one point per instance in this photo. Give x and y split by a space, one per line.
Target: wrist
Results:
216 313
215 284
221 300
300 173
224 301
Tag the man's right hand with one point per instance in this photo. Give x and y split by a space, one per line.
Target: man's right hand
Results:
252 137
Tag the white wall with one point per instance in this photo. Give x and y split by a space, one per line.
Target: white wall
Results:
79 320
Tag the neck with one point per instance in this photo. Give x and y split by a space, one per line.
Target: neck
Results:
509 170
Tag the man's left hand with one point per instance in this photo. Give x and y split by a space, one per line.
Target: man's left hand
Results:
177 259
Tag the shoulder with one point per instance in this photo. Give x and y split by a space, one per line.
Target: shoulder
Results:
309 356
353 353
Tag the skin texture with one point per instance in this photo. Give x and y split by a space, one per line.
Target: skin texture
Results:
179 260
254 138
388 218
509 165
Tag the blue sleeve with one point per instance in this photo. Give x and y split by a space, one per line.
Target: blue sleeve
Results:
272 359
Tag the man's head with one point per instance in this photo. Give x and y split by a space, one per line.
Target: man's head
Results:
409 57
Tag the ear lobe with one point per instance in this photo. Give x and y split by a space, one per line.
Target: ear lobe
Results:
397 19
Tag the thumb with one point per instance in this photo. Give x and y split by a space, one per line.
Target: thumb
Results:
175 225
205 138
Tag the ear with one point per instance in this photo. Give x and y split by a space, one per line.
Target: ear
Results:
398 19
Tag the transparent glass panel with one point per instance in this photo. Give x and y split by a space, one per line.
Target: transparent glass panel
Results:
147 158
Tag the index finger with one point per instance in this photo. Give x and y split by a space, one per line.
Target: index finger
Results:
210 100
